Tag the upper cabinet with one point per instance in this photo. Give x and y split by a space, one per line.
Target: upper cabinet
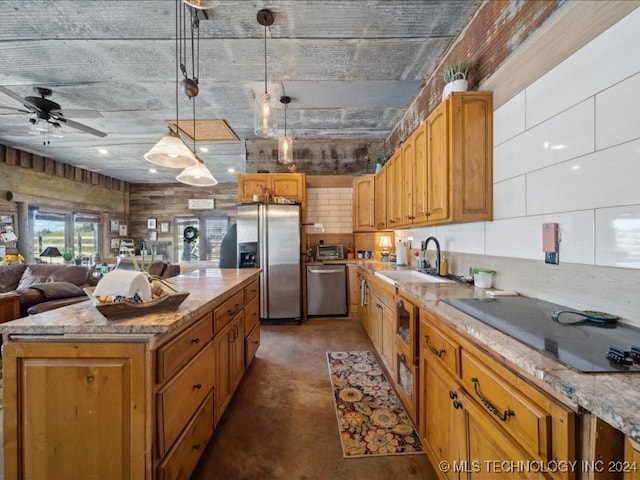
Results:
443 171
363 203
380 201
292 186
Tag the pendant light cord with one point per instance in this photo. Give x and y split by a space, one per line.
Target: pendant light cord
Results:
265 59
177 61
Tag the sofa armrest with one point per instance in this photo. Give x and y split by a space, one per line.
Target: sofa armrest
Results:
51 304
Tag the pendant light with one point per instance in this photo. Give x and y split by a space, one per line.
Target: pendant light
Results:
285 144
197 175
171 151
265 118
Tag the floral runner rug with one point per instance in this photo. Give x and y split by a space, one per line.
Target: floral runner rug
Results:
371 419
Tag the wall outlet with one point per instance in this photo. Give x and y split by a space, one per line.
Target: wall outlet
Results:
552 257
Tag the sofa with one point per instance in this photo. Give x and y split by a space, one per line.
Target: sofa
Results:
46 286
42 287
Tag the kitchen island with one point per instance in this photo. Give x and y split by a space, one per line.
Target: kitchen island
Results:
595 412
135 398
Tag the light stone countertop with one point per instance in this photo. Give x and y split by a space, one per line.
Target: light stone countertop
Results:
613 397
207 289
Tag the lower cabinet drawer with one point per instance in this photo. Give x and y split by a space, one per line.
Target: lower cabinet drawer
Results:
179 399
509 407
227 311
252 342
251 315
183 458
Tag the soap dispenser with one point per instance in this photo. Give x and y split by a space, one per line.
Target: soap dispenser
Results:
444 266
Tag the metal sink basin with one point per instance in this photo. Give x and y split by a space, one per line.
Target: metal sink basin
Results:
409 276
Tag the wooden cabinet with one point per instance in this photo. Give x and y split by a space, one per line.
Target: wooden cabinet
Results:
476 412
363 203
76 405
251 322
354 291
443 173
394 190
406 354
289 185
382 324
380 201
631 463
123 405
9 307
229 362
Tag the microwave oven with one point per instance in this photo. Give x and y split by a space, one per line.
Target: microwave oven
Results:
329 252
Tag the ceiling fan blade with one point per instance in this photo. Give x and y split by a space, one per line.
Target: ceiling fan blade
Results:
76 113
15 96
81 127
15 109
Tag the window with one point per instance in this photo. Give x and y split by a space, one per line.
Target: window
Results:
76 231
211 231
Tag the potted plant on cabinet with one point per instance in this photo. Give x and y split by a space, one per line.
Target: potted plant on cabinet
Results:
67 255
379 162
455 77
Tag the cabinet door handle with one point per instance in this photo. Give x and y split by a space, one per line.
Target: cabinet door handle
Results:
453 395
490 406
231 313
457 404
230 336
195 340
197 386
437 353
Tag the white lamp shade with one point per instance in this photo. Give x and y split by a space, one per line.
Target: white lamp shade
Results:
285 149
171 152
265 120
198 176
385 242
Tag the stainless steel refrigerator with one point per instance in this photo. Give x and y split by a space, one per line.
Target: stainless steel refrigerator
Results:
269 238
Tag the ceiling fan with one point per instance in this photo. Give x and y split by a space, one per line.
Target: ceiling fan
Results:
50 112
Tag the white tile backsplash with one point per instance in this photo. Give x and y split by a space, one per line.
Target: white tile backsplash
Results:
331 207
617 115
509 198
617 232
606 60
509 119
606 178
567 135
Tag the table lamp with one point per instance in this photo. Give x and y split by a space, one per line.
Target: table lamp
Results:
51 252
385 248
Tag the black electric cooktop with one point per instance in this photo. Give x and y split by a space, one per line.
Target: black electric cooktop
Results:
578 343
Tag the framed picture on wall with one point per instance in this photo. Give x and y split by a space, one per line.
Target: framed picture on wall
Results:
153 236
164 227
115 226
151 224
123 230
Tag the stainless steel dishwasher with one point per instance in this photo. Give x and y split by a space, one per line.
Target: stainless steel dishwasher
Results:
327 290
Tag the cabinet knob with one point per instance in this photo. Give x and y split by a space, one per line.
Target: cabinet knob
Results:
196 446
195 340
197 386
453 395
457 404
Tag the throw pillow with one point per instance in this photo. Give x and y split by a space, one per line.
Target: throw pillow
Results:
55 290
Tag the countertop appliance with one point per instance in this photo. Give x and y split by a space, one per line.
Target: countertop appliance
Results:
329 252
584 345
327 290
269 238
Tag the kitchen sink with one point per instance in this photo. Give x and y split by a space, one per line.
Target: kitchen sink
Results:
409 276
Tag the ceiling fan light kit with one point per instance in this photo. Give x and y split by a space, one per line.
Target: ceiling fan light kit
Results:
49 115
265 120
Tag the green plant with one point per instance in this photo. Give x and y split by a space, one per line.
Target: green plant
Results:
67 254
144 267
379 161
456 71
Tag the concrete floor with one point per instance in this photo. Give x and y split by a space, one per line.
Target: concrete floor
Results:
281 422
